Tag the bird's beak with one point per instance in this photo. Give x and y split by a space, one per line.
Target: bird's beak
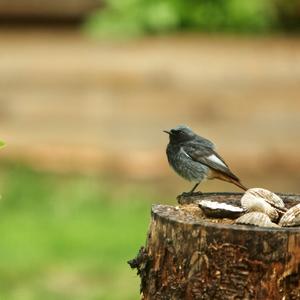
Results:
166 131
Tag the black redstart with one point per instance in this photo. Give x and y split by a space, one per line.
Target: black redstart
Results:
195 159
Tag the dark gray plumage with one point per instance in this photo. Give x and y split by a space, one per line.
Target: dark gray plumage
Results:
195 159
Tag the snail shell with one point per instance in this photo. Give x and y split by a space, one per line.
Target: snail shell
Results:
220 210
255 203
268 196
257 219
291 217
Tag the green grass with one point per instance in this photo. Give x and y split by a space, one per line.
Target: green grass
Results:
69 237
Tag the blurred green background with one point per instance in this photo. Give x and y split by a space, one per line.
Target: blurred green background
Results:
69 236
88 86
122 18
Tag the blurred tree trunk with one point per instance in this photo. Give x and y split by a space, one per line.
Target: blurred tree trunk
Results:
56 9
184 259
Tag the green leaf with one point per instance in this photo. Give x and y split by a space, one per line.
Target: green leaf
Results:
2 144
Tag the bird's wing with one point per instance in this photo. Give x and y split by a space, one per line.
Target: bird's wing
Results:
205 142
207 156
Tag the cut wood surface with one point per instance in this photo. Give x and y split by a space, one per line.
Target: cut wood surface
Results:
186 257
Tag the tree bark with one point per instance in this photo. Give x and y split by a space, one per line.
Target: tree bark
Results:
188 258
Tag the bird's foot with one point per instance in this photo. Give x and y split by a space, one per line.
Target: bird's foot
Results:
190 194
187 197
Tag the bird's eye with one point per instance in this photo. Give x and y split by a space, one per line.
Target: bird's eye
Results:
177 132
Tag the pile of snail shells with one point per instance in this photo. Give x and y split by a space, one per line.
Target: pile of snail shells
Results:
266 209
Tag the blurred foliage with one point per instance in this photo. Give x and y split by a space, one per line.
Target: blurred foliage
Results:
69 236
288 14
123 18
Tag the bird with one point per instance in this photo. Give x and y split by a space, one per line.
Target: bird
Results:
194 158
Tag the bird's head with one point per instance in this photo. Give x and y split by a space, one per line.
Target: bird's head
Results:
180 134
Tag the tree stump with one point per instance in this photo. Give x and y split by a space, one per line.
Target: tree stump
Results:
186 257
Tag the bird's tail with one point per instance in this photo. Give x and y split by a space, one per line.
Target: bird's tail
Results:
229 177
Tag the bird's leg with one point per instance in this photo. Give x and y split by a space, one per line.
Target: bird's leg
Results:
192 190
187 197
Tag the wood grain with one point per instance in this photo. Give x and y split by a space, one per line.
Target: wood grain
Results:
188 258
